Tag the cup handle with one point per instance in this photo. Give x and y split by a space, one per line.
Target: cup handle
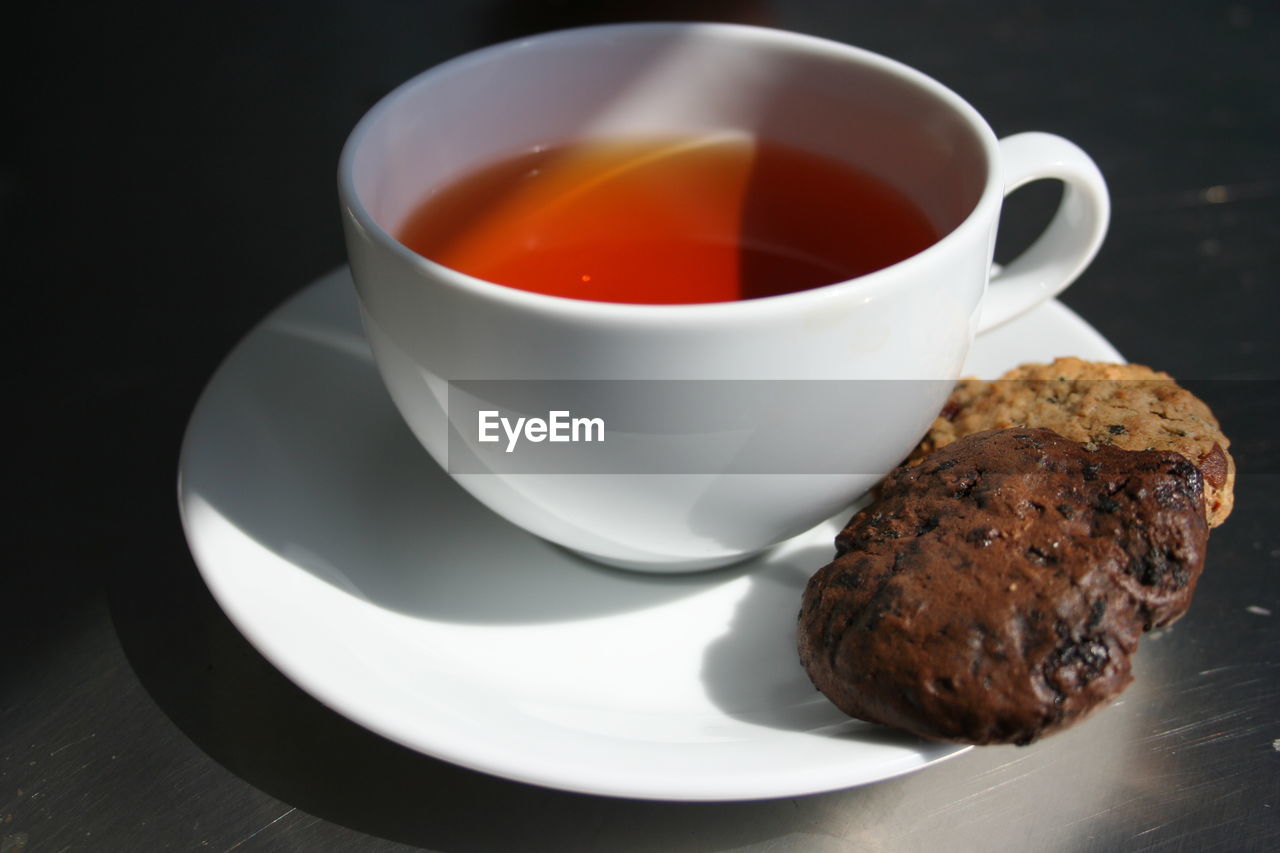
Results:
1069 243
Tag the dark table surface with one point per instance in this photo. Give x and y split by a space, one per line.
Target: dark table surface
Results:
167 177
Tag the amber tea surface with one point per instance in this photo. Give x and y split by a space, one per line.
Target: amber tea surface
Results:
708 219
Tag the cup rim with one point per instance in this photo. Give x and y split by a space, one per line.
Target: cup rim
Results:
866 285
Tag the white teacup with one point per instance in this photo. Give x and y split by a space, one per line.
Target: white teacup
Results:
890 343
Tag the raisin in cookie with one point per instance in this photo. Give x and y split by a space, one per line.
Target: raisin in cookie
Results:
995 592
1123 405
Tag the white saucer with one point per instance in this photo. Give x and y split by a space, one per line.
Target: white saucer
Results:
354 564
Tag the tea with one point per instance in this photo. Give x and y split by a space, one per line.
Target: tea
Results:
706 219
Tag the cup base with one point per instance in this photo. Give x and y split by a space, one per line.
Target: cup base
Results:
667 567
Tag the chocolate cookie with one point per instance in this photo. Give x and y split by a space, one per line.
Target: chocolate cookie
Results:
995 592
1124 405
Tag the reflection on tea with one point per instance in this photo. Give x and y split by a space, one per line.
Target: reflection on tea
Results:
706 219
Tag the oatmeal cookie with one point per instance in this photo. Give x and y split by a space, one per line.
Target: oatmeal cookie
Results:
1128 406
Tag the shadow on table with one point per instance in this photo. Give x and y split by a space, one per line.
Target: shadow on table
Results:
517 18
